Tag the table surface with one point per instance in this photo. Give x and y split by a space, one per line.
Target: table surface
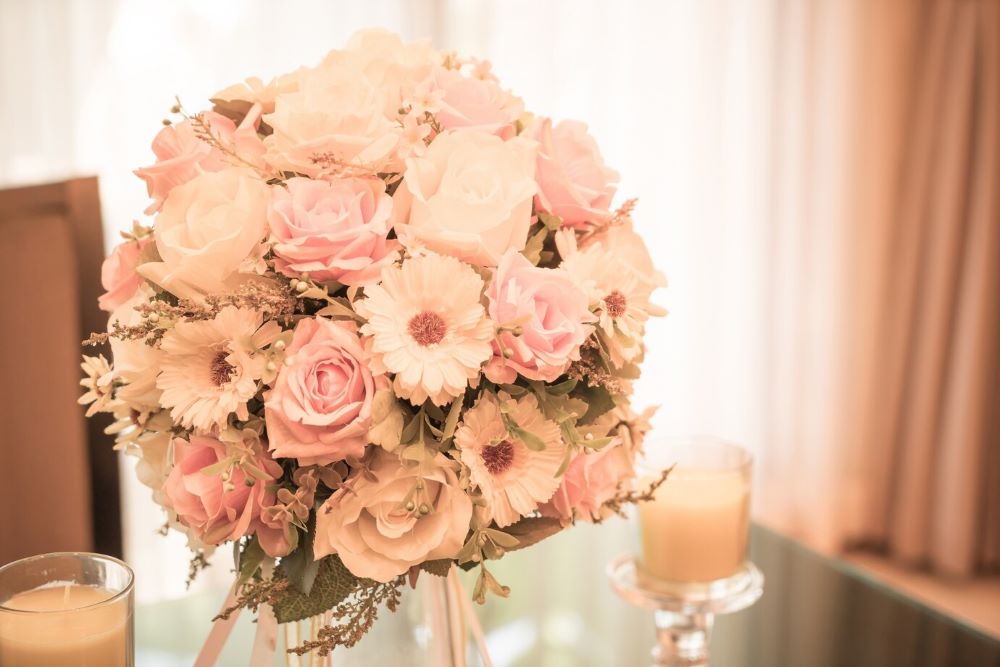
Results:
816 611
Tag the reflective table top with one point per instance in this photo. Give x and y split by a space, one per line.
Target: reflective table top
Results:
815 612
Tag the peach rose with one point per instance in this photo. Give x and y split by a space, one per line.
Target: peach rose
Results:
215 511
118 276
573 181
332 230
591 479
371 524
479 104
320 407
335 117
181 154
205 231
550 312
469 196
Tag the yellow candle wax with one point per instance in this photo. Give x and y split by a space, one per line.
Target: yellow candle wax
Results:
696 527
66 626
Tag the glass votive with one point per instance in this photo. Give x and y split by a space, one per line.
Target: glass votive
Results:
67 609
696 528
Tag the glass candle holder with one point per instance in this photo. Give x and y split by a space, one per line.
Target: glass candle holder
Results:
695 532
67 609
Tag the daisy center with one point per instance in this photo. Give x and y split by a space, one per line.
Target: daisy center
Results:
220 370
615 304
499 457
427 328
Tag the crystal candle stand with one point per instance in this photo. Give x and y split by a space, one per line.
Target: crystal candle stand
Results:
695 532
684 612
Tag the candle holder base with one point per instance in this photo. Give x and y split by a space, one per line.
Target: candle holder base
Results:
684 612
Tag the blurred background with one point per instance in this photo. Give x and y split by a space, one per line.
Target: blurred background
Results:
819 180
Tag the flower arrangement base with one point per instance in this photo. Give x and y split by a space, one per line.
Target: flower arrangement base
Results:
684 612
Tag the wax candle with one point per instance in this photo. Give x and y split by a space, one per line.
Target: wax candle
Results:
65 623
696 527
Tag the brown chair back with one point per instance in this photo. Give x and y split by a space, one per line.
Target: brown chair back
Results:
58 471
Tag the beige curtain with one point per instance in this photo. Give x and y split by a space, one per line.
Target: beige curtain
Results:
925 347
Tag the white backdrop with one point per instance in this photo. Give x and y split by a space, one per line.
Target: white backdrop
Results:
680 95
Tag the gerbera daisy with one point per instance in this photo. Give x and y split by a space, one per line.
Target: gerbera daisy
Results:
428 327
514 478
619 295
210 368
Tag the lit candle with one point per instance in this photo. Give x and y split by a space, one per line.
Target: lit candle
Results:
696 527
64 622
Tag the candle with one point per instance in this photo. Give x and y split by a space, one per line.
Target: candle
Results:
82 617
696 527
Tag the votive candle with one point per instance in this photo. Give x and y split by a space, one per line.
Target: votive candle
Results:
696 527
67 609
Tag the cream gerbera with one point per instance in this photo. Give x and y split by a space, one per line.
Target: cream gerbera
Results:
619 295
428 327
514 478
211 368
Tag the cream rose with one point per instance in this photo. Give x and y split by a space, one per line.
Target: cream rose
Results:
336 117
371 524
205 230
469 196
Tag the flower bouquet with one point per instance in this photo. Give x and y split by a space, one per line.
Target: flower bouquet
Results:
382 322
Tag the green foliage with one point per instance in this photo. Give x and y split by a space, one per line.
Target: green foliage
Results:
532 530
331 585
248 560
439 567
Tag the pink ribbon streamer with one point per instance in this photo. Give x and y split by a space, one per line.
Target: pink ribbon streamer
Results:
219 633
470 616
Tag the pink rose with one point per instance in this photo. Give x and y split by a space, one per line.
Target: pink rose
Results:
551 316
321 405
181 154
573 181
217 511
378 534
592 479
118 276
479 104
332 230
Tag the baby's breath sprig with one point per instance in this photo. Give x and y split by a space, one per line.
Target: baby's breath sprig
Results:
354 617
632 497
203 131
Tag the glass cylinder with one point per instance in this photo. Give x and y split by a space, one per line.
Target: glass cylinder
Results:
67 609
696 529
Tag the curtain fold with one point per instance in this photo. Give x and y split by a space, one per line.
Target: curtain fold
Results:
928 358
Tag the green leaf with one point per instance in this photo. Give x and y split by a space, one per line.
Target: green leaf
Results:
599 401
532 530
299 566
387 420
596 443
411 428
451 423
250 559
552 222
501 538
333 583
439 568
530 440
533 248
562 388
